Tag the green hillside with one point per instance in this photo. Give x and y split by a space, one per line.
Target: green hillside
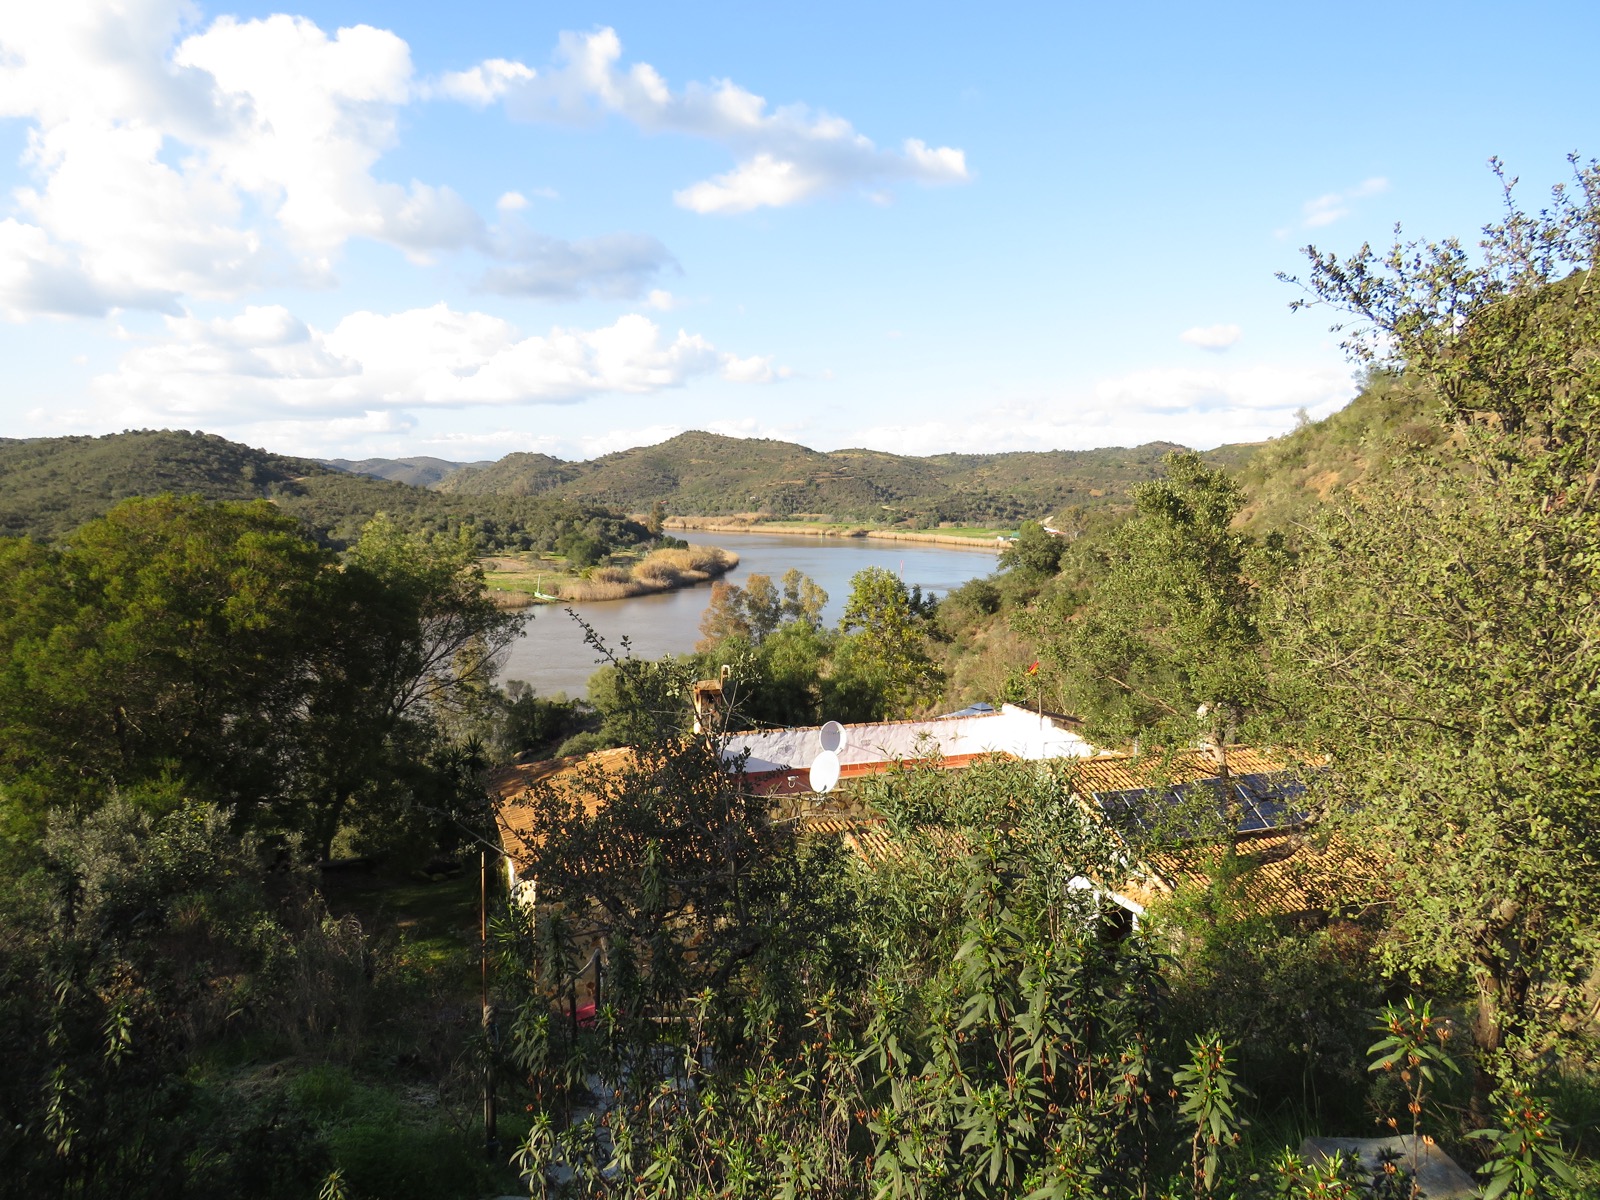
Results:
50 486
421 471
705 474
1288 477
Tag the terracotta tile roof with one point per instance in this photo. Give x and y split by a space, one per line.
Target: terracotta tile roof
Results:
1168 795
1124 772
571 778
511 782
1289 873
871 840
1293 871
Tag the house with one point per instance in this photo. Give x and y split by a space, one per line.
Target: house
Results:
1167 810
1018 732
1173 812
776 762
1282 864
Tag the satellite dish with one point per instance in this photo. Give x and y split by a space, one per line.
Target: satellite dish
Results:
825 772
833 737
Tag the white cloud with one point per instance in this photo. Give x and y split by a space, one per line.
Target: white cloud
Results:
266 364
171 161
786 155
662 300
1334 206
618 265
763 182
757 368
238 155
1211 337
39 277
1200 408
483 84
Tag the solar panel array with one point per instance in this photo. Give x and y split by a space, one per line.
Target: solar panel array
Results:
1266 801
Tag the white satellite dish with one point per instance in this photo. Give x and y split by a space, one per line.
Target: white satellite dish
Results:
833 737
825 772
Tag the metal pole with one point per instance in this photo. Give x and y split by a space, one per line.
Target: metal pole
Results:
491 1139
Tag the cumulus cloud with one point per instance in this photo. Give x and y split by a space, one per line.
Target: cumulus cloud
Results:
786 154
169 161
205 164
1334 206
37 276
1211 337
757 368
481 85
266 364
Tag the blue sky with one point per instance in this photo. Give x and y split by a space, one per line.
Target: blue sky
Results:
353 229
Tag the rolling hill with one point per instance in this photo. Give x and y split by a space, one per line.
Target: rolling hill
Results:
705 474
422 471
1287 478
50 486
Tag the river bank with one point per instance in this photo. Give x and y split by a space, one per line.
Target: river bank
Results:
553 656
992 540
521 581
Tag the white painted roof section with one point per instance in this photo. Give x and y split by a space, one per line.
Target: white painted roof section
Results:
1012 730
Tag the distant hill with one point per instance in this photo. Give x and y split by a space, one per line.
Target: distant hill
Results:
418 472
50 486
706 474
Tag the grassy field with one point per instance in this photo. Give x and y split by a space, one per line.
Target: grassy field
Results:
519 576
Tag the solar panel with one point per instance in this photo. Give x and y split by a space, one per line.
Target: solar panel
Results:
1265 801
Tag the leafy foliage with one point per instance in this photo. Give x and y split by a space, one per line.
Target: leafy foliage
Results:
1171 644
891 647
179 648
1440 631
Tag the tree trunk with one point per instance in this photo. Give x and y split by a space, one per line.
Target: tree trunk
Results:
1502 1000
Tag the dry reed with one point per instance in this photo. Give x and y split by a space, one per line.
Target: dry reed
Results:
660 571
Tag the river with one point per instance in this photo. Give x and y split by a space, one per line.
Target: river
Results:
551 654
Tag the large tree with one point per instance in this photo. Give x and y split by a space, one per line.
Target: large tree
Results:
1169 647
891 628
164 640
1443 629
177 648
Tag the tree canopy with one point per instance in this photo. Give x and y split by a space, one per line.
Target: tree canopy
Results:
1441 629
177 647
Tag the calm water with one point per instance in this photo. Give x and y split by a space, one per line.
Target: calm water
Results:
552 657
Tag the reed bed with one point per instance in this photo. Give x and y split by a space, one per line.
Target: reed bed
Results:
510 599
660 571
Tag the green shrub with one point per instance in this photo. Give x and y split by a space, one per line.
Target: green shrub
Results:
387 1159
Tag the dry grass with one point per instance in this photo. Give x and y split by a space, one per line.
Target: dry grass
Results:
510 599
661 571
